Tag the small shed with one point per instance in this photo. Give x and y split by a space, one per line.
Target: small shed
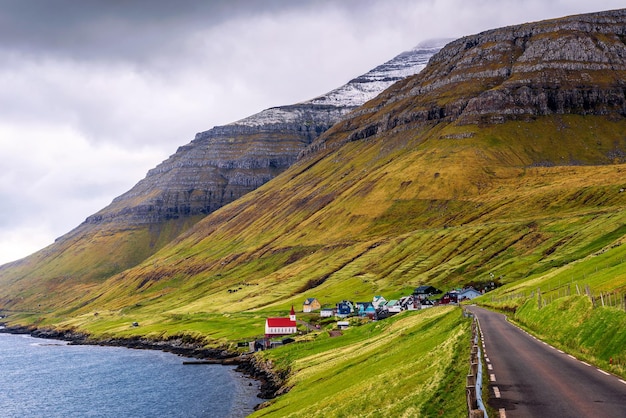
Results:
343 324
327 312
426 303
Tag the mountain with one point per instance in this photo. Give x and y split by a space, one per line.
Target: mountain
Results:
502 160
219 166
224 163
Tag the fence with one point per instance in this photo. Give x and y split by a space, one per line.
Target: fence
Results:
473 386
615 298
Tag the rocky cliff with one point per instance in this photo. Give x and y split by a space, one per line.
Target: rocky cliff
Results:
224 163
572 65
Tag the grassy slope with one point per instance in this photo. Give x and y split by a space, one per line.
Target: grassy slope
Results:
597 335
64 271
398 367
379 216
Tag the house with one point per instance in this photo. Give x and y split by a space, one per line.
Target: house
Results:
448 297
425 303
393 306
327 312
383 313
345 308
310 305
409 303
276 327
424 291
366 309
468 293
378 301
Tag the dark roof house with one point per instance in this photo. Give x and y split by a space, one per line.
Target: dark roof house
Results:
426 290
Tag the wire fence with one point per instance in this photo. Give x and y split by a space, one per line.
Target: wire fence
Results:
615 298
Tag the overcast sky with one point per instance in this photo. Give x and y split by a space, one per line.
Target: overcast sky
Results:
95 93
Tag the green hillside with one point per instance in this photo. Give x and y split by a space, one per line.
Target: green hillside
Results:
326 229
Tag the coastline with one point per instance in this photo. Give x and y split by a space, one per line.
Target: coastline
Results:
271 384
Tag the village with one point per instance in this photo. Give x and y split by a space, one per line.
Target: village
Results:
278 330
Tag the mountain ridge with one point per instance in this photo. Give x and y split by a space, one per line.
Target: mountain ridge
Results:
237 170
510 78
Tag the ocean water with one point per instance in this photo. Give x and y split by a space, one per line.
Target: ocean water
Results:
48 378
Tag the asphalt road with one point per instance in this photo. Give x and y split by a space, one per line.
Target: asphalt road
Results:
529 378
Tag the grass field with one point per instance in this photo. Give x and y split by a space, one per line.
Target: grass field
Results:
411 365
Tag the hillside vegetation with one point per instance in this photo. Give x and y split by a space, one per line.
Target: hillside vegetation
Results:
398 367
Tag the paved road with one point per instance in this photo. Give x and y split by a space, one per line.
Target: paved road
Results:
532 379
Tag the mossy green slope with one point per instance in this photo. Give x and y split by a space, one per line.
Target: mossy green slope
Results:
397 367
382 229
81 259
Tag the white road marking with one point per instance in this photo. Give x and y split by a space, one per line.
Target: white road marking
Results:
571 356
487 360
561 351
496 391
586 364
602 371
489 366
623 381
502 412
492 377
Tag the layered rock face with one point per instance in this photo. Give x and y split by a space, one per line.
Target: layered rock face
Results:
572 65
226 162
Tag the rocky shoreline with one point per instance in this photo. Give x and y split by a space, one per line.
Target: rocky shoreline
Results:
271 383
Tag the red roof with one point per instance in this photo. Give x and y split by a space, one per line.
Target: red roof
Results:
280 322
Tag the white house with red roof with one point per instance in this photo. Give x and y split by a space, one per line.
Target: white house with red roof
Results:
276 327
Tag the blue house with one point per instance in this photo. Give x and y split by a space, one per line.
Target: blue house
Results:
367 309
345 308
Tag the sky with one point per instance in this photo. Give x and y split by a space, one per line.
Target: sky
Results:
93 94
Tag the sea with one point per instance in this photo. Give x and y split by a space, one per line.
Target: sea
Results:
49 378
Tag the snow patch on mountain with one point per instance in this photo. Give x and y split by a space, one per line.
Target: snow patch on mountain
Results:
357 91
